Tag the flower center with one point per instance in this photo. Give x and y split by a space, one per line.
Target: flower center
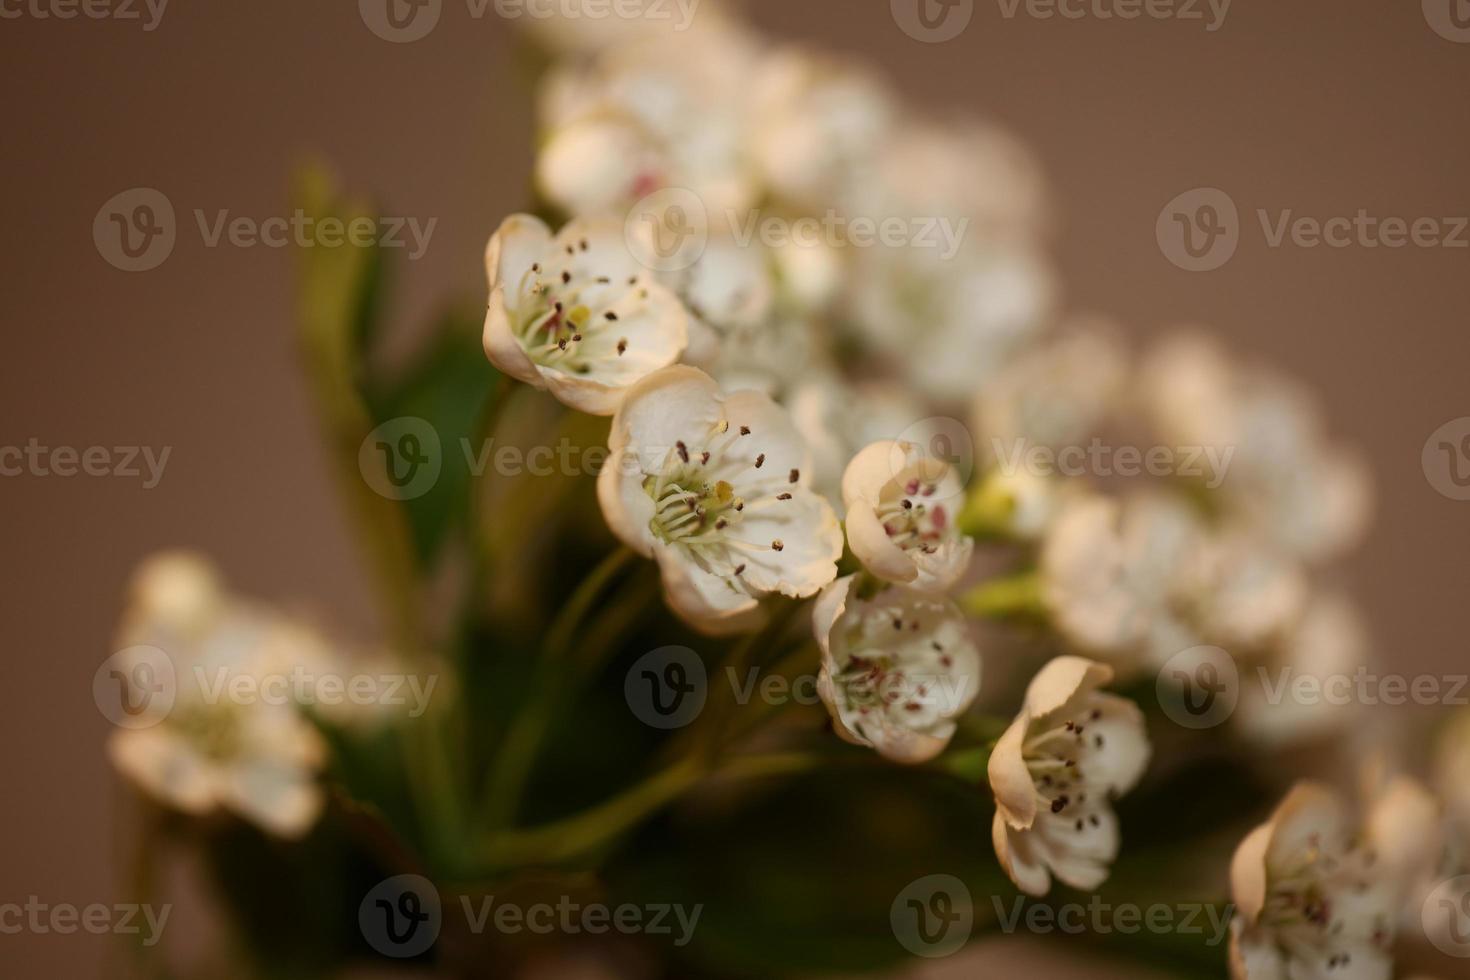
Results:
1057 761
706 490
570 314
1306 918
913 520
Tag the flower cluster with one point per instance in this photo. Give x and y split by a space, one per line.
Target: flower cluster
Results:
782 448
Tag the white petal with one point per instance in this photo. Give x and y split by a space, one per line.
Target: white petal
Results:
811 540
503 347
166 766
1062 681
1015 851
1010 780
874 548
1248 873
709 603
279 797
520 242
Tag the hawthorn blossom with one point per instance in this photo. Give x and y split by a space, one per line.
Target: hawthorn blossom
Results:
667 110
1311 498
575 313
950 322
209 750
1318 896
901 508
897 668
716 488
1070 752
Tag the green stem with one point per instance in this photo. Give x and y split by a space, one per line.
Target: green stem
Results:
594 828
523 741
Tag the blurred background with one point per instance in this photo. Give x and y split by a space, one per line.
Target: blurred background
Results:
1316 107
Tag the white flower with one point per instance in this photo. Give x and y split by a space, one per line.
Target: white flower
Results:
575 313
1110 570
1055 395
258 758
1253 593
1452 772
716 488
1311 499
1320 898
897 668
901 509
819 126
950 322
1069 753
964 168
664 111
838 418
1329 642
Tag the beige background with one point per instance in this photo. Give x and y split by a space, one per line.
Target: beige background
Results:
1320 106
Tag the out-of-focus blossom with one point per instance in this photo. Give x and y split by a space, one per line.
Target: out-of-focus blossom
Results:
897 668
1328 644
584 27
1252 595
838 418
1311 498
1055 395
901 509
575 313
1320 897
962 169
951 323
1452 773
1114 572
664 111
1070 752
820 125
716 488
258 758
